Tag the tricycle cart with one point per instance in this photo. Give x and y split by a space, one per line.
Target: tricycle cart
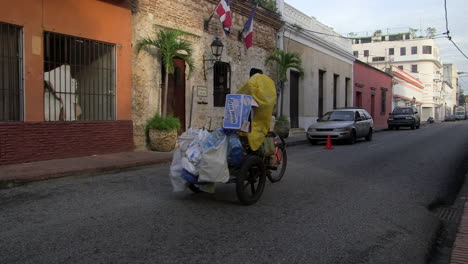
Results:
250 176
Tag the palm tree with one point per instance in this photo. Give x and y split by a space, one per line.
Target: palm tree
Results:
284 61
169 46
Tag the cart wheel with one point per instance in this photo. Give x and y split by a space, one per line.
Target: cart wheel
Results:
194 188
276 171
251 180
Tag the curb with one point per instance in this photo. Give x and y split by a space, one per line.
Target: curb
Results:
9 181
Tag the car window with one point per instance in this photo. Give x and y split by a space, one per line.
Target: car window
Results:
367 115
338 116
400 111
363 115
357 115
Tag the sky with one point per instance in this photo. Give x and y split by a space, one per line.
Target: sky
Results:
361 16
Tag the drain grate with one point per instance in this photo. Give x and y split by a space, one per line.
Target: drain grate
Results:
449 214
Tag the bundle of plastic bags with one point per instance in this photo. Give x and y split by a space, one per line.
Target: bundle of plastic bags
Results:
204 157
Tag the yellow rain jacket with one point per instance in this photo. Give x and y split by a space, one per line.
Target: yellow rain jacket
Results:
262 89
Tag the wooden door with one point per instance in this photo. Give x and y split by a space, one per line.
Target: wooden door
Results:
294 99
176 92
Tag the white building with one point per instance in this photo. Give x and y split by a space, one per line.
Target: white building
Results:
327 61
419 56
407 90
451 78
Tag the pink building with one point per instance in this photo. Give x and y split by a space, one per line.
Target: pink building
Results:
373 92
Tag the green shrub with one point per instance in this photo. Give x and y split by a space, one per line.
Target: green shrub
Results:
282 118
160 123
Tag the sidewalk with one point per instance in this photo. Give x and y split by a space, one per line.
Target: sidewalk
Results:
42 170
460 247
459 254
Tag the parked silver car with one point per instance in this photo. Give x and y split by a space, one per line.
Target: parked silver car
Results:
343 124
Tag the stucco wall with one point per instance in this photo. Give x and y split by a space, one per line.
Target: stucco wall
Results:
91 19
369 80
313 61
34 139
150 16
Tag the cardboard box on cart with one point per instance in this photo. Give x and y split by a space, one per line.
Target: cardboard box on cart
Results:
238 112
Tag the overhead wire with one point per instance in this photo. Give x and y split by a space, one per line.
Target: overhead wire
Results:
448 31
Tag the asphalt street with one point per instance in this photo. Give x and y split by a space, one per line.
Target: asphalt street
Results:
362 203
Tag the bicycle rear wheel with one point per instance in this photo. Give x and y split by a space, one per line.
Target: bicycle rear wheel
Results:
251 180
277 169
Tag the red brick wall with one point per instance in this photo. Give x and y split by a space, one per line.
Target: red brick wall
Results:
35 141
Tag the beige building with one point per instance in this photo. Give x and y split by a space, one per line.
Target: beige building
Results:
451 78
206 88
328 67
419 56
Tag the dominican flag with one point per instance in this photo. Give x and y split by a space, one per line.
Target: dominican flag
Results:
224 12
247 33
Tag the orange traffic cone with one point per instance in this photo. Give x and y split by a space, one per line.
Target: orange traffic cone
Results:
329 143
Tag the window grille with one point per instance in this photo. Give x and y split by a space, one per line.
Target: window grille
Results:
402 51
11 73
79 79
378 58
427 49
221 83
384 100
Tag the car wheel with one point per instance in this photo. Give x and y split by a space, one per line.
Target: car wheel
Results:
390 127
369 135
312 141
352 138
397 127
413 126
417 126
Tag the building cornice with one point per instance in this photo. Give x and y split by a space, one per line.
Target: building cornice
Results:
312 41
407 77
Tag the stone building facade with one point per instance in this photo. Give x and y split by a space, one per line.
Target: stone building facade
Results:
197 97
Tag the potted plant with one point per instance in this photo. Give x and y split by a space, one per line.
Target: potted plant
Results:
169 45
282 126
162 132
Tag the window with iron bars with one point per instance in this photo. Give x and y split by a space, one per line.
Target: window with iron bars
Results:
11 73
221 83
79 79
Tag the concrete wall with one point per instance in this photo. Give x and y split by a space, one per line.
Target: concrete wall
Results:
189 15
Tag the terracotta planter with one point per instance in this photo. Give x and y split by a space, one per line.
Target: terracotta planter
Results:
282 128
163 141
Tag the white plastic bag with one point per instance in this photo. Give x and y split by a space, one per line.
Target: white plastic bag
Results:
189 166
213 166
186 139
178 184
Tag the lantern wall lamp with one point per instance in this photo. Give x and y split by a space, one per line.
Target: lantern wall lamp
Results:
216 50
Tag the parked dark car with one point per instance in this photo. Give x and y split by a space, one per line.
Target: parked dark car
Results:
404 116
450 118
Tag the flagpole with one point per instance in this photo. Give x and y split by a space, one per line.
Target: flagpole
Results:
207 21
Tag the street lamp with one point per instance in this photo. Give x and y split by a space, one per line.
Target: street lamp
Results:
216 50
